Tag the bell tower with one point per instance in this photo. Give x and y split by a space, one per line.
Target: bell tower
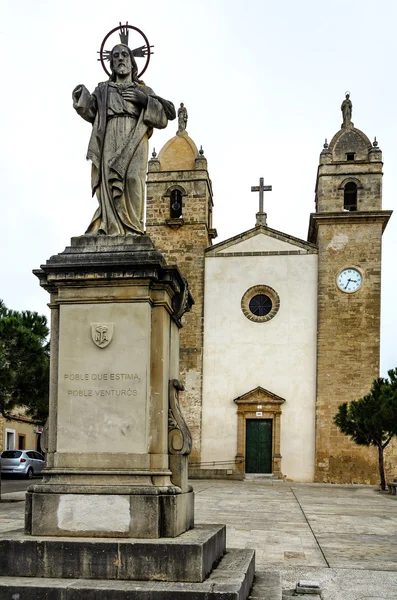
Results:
347 228
179 221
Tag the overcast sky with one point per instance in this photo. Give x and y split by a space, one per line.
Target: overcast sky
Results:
263 82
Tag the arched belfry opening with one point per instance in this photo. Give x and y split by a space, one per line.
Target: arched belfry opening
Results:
350 196
176 204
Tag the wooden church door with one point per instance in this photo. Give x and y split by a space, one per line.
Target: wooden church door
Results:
258 454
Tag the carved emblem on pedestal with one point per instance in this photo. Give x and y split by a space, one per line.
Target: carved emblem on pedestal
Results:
102 334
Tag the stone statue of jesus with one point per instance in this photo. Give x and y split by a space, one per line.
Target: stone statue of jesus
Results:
123 112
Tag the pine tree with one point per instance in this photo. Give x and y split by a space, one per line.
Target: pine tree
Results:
372 420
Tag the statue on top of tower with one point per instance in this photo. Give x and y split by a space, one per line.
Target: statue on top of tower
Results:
182 118
347 108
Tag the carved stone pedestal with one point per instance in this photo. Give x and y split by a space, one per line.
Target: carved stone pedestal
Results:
117 444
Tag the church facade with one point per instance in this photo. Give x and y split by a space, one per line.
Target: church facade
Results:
283 330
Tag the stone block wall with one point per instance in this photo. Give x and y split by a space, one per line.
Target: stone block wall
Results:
348 345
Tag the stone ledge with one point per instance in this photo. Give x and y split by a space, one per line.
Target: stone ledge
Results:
106 488
115 243
189 557
102 249
231 580
346 218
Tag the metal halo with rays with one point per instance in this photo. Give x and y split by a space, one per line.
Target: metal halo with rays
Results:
141 52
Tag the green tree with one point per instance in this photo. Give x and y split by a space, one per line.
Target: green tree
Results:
372 420
24 362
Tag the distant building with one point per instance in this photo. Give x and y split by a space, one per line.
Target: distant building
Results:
19 432
283 330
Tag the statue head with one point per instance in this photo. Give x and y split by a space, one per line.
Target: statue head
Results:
122 62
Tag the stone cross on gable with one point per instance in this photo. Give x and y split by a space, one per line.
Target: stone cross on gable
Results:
261 216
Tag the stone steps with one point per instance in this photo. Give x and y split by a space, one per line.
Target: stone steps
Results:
230 580
262 478
187 558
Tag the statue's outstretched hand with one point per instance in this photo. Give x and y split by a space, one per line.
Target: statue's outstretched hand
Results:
77 92
84 103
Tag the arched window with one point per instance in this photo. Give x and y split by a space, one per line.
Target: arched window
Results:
176 204
350 196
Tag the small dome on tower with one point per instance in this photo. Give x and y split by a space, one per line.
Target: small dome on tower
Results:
178 154
350 144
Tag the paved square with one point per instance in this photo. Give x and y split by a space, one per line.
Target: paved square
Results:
343 536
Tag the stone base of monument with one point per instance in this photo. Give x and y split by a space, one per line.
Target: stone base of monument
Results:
141 513
194 565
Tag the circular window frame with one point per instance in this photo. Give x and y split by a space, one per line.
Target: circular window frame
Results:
254 291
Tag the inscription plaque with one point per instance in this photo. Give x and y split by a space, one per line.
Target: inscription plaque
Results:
102 395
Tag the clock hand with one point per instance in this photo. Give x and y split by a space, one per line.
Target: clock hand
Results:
348 281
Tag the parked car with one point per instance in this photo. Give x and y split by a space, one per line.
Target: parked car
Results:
22 462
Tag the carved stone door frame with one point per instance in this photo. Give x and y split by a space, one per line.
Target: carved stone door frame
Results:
249 406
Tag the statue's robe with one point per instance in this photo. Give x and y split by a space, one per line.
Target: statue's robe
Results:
118 149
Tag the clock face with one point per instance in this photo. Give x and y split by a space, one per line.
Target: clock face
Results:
349 280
